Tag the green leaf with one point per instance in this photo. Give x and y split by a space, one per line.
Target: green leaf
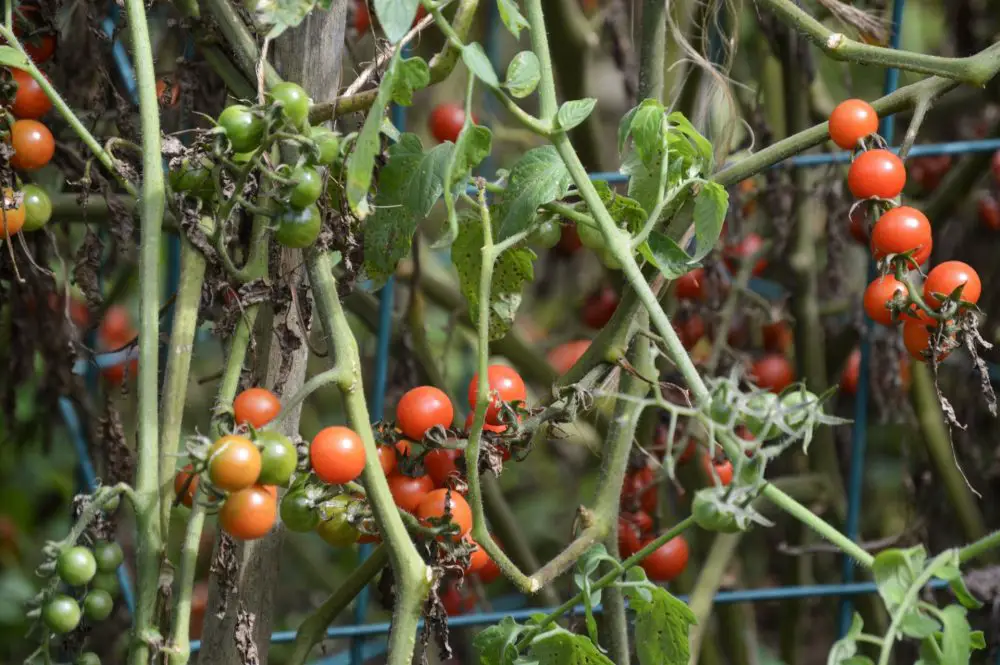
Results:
572 113
511 16
701 144
627 212
282 15
411 74
669 257
474 145
952 574
361 160
9 57
648 130
844 651
918 625
539 177
956 638
512 270
476 60
409 185
523 74
661 628
564 648
977 640
710 207
894 575
496 644
396 17
625 127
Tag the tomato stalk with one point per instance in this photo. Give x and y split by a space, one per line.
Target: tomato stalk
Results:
179 644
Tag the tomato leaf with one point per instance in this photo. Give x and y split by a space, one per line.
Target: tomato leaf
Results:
572 113
895 571
560 647
396 17
479 64
918 625
647 128
627 212
952 574
497 644
700 143
9 57
710 207
473 147
513 268
409 185
523 74
957 641
844 651
539 177
411 74
511 16
662 623
669 257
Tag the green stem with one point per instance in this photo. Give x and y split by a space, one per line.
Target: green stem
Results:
179 645
652 49
979 547
548 104
318 381
152 203
709 579
242 43
312 630
903 610
179 352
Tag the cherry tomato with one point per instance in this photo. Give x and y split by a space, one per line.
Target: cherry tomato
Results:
690 330
661 445
404 448
249 513
334 526
108 557
422 408
876 174
256 406
278 458
387 459
61 614
294 102
852 370
37 208
116 327
243 127
947 277
194 177
233 463
37 39
851 121
328 143
362 18
106 581
433 506
745 248
408 491
747 189
88 658
878 295
337 455
167 95
490 572
180 480
902 229
917 337
308 187
446 121
777 336
564 356
76 566
29 100
639 487
33 145
628 538
298 513
989 211
97 605
569 241
772 372
298 228
691 285
723 470
440 465
11 220
505 385
599 307
859 226
457 601
667 561
642 520
546 235
928 171
478 558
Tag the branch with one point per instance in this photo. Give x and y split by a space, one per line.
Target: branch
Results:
178 647
240 40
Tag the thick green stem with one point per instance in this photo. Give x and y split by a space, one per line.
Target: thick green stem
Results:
179 646
709 579
150 545
413 577
652 49
979 547
313 628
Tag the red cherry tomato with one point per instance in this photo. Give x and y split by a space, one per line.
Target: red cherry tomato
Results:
772 372
989 211
902 229
691 285
167 94
421 409
859 226
947 277
690 330
639 487
408 491
29 100
186 485
256 406
628 538
917 337
505 385
36 38
440 465
777 336
234 463
457 601
876 174
599 307
362 17
446 121
387 459
747 247
723 469
564 356
852 370
667 561
928 171
434 504
33 145
478 558
249 513
878 295
851 121
337 455
569 240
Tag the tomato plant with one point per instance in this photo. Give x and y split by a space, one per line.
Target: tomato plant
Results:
108 556
599 307
242 126
751 245
564 356
440 465
422 408
691 285
334 526
879 294
387 459
901 230
13 217
33 145
298 512
337 455
989 211
37 208
61 614
298 228
294 102
30 101
278 458
76 566
446 121
772 372
98 605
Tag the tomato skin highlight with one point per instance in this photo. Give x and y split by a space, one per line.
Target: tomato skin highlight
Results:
772 372
233 463
421 409
876 174
900 230
249 513
878 294
948 276
256 406
564 356
851 121
337 455
433 506
408 491
30 101
667 561
446 121
505 385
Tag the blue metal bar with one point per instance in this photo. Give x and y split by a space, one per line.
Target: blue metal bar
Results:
859 433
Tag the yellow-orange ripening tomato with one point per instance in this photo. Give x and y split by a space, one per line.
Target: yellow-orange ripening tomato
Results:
250 513
256 406
233 463
12 219
337 455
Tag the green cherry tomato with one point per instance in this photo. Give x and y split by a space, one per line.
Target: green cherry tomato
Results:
294 102
308 187
109 556
720 409
298 512
97 605
796 405
87 658
298 228
112 505
194 177
590 236
61 614
333 526
242 126
609 260
106 582
708 516
76 566
37 208
278 458
764 405
546 235
328 143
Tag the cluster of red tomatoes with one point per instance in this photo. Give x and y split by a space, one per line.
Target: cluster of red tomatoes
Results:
900 234
989 201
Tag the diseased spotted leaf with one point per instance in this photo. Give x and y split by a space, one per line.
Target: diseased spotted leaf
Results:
561 647
539 177
627 212
411 74
680 123
662 624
